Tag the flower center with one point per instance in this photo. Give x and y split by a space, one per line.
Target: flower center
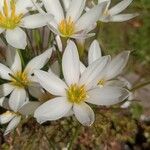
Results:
76 94
20 79
67 27
8 17
101 83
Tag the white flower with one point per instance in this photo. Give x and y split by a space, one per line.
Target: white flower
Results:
131 94
77 89
14 15
113 69
19 80
14 118
113 14
72 23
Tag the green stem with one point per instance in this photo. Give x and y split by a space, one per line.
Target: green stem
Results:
140 86
51 145
30 41
21 57
74 137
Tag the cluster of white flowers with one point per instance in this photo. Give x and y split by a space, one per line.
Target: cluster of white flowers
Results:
94 83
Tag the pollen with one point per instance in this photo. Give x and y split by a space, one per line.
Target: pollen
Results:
101 83
8 17
67 27
20 79
76 94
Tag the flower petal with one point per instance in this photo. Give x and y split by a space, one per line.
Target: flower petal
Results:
66 4
35 90
92 73
120 7
71 64
38 62
35 21
16 38
94 52
123 17
6 117
6 89
23 7
116 83
4 72
13 124
52 110
107 95
82 67
75 9
90 17
17 99
29 108
84 114
1 30
55 68
50 82
117 65
54 7
13 59
4 102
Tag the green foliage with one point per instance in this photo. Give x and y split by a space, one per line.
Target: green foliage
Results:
136 110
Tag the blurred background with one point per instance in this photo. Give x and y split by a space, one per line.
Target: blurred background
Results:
109 131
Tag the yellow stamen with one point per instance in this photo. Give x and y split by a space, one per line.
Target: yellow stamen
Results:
20 79
76 94
67 27
9 20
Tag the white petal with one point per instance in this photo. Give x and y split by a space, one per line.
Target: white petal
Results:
90 17
35 21
59 43
50 82
13 59
54 7
71 64
120 7
38 62
6 89
117 65
6 117
94 52
66 4
29 108
35 90
23 7
116 83
4 72
92 73
84 114
52 110
13 124
82 67
55 68
123 17
75 9
1 30
4 102
17 99
69 113
107 95
16 38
